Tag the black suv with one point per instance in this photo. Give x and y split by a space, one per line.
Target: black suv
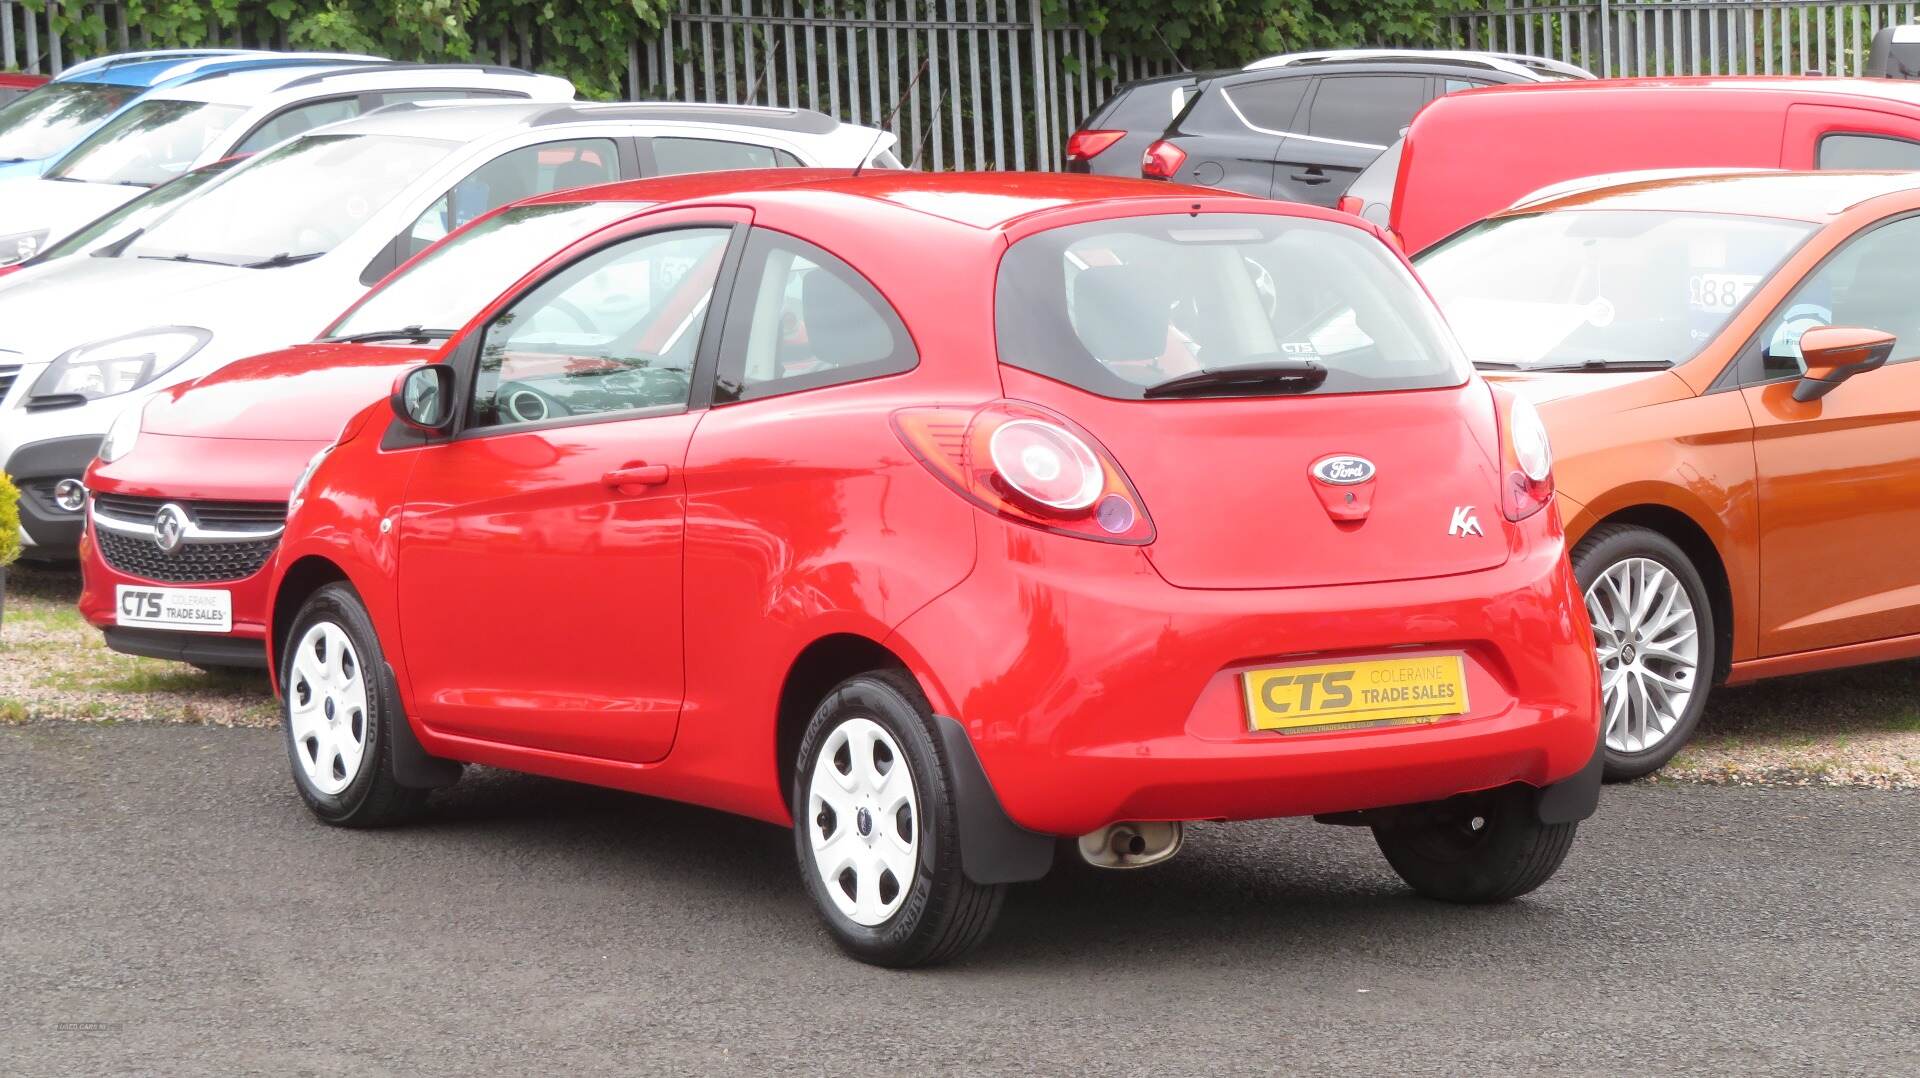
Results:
1301 127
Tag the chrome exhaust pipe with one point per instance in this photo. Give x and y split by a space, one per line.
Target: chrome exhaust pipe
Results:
1133 844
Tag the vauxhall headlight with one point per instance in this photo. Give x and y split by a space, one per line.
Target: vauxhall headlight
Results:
124 432
108 367
17 247
300 484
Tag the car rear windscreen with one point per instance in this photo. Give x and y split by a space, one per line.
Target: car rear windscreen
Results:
1119 307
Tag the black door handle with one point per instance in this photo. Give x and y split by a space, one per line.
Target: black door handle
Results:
1310 177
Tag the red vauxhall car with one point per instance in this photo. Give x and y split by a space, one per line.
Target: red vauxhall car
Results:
217 456
943 517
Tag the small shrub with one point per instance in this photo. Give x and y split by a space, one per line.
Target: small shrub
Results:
9 521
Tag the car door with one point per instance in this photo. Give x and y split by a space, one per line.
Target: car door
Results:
1239 154
1348 121
1839 477
540 547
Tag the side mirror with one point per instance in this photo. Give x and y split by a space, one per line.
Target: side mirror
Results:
422 398
1837 353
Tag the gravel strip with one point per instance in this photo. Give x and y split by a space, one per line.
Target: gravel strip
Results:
1858 728
53 665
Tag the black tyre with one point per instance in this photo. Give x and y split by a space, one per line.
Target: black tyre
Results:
338 707
876 829
1655 637
1478 848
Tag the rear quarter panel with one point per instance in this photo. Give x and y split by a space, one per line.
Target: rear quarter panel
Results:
806 514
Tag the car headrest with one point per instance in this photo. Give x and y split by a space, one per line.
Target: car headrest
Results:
579 174
1121 313
842 327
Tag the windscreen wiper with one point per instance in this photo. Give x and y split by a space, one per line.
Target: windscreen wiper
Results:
185 257
406 333
1582 365
284 258
1280 376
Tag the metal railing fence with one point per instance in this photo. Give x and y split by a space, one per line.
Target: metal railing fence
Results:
1686 37
998 87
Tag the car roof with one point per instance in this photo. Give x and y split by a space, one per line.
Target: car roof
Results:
1897 91
989 201
248 86
464 120
1816 197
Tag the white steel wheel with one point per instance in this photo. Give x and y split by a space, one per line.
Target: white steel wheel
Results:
1647 638
327 708
863 821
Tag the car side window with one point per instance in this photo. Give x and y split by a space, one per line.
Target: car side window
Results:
398 97
1271 105
1365 108
804 319
298 121
1873 283
1869 152
616 331
676 156
1456 85
517 174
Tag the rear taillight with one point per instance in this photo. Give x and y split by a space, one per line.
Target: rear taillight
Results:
1030 465
1087 145
1526 457
1352 204
1162 160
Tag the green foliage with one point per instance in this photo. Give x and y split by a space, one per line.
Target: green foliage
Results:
1228 33
9 521
586 40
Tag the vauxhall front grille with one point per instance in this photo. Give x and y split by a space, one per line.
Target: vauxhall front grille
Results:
186 542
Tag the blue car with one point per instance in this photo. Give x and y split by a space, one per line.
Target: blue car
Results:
38 127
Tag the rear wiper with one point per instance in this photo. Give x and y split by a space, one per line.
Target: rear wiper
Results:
1281 376
407 333
284 258
1582 365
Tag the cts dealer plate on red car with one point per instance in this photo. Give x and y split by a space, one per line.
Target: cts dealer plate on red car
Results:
1374 690
193 609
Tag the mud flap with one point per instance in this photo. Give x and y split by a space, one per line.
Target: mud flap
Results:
993 849
413 766
1575 797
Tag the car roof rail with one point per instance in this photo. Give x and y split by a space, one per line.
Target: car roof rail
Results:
803 121
387 66
1509 62
242 67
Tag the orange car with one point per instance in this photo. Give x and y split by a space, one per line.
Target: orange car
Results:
1740 480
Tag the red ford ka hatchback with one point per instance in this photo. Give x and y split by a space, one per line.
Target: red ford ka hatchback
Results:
943 517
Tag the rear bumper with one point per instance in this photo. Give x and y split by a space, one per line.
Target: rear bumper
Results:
1093 692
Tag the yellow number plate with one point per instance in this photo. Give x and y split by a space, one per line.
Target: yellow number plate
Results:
1374 690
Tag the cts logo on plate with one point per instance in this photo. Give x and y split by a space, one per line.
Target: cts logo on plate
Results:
1342 470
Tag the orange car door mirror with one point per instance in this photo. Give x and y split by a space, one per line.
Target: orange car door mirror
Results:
1837 353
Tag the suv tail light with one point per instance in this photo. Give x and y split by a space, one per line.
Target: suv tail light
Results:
1352 204
1526 457
1087 145
1162 160
1029 465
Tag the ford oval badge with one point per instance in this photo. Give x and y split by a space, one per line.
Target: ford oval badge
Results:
1343 470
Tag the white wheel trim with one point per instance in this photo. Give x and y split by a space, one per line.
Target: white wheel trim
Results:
327 708
836 801
1646 636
